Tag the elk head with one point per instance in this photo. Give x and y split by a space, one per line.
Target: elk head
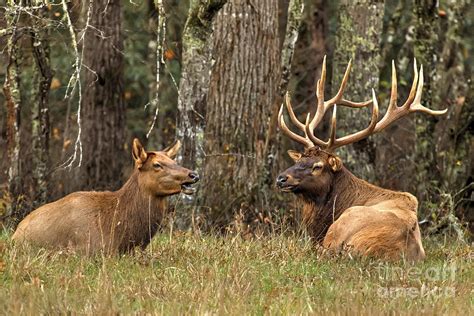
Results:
316 167
311 174
158 172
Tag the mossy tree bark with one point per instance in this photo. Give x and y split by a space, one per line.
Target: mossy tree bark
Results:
358 38
40 116
272 151
454 132
243 86
22 193
427 50
193 90
395 146
11 90
310 49
194 83
103 103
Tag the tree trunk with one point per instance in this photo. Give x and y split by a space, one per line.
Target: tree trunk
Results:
454 132
358 37
395 146
243 86
193 87
193 90
273 141
426 51
40 117
11 89
310 50
102 102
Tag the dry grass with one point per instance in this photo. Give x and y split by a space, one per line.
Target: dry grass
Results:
186 274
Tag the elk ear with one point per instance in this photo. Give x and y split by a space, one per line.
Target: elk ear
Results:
173 150
335 163
138 153
294 155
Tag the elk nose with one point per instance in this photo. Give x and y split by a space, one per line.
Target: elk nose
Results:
193 176
281 180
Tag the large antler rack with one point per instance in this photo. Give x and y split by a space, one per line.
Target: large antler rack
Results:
394 112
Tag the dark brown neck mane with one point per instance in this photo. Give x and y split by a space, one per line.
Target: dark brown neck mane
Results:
346 190
135 216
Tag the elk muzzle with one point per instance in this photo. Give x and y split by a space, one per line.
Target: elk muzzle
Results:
186 186
286 182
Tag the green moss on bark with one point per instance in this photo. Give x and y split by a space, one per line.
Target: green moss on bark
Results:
199 24
358 38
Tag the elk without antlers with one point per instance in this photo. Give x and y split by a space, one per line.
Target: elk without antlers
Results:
394 112
112 222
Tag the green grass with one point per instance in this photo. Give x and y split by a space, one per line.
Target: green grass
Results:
187 274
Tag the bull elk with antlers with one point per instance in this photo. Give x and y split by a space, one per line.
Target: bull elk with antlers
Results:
113 222
341 210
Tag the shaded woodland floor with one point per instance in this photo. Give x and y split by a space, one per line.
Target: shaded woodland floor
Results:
187 274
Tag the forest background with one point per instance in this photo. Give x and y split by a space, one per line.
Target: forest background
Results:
81 79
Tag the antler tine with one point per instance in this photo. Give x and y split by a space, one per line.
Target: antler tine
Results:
342 87
412 104
349 139
323 106
297 138
339 97
332 133
309 133
293 117
416 105
320 107
394 112
392 105
356 105
413 89
321 83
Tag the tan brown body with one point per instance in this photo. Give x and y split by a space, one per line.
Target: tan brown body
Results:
365 219
111 221
341 210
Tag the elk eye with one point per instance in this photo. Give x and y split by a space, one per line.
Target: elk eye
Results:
317 166
156 165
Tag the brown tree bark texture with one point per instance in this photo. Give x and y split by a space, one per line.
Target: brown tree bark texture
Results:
427 50
395 146
11 90
310 49
40 117
243 86
273 142
358 38
455 151
103 103
194 83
